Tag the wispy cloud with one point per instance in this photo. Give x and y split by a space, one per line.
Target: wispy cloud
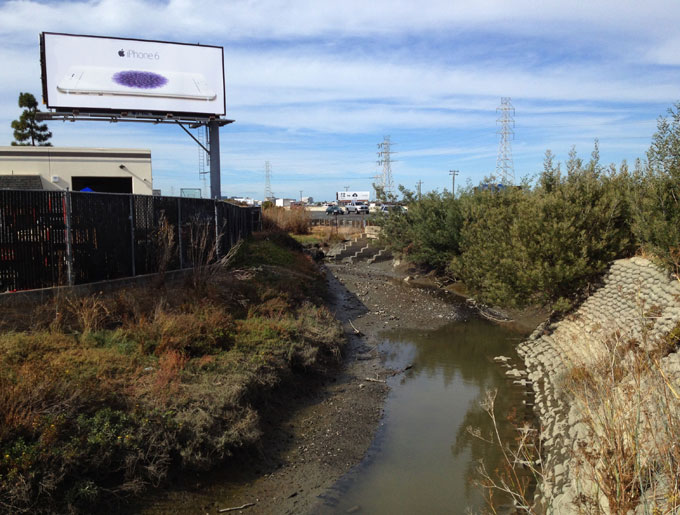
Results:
315 85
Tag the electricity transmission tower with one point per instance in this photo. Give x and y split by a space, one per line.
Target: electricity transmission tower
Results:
505 168
418 185
203 158
385 153
267 180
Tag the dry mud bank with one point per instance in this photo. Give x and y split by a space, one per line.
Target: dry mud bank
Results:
606 381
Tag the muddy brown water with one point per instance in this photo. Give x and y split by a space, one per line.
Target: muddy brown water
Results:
424 459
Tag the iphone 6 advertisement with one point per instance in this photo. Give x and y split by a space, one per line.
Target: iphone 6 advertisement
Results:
92 73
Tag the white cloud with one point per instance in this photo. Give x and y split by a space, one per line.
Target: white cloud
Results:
263 19
313 85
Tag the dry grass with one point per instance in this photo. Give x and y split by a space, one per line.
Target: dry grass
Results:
632 411
630 408
109 393
336 234
521 466
294 221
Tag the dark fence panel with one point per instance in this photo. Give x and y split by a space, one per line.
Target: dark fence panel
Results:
57 238
102 236
32 239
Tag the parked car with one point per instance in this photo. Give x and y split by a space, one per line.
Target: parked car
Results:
387 209
357 208
334 210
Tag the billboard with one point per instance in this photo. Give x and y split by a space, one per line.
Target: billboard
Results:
101 74
347 196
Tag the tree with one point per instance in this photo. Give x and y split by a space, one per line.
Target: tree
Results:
27 131
551 176
657 202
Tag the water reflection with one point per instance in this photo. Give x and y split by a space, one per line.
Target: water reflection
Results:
424 458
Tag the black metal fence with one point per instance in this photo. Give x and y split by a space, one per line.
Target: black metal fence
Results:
63 238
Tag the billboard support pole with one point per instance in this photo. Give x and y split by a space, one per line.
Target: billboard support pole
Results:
214 138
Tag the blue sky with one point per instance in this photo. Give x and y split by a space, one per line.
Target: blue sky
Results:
314 85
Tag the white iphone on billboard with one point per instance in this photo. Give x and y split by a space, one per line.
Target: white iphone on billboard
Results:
92 80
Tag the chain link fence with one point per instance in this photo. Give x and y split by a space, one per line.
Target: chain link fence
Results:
64 238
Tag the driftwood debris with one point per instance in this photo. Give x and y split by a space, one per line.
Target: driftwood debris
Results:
356 331
235 508
375 380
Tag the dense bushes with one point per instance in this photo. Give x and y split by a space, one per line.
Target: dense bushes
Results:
545 242
430 233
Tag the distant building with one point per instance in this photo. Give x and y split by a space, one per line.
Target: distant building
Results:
284 202
190 192
245 200
308 200
106 170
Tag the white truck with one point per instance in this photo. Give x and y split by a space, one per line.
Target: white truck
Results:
356 207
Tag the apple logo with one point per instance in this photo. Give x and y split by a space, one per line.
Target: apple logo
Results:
121 53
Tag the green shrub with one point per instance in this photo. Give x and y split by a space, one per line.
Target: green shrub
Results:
657 192
524 245
428 233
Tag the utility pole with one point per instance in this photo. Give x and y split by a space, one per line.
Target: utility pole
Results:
267 180
505 167
346 188
385 160
300 196
418 185
453 174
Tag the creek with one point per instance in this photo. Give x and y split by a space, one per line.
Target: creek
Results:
424 459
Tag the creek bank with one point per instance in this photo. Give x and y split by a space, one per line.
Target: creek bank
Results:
604 380
327 430
103 396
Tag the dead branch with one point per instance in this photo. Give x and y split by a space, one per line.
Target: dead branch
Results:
356 331
235 508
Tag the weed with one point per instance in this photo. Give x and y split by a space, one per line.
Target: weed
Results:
90 312
166 248
630 410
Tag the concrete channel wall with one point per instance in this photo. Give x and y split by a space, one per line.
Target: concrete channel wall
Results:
638 305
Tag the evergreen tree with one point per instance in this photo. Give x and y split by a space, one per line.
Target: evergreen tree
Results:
550 178
27 131
657 202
